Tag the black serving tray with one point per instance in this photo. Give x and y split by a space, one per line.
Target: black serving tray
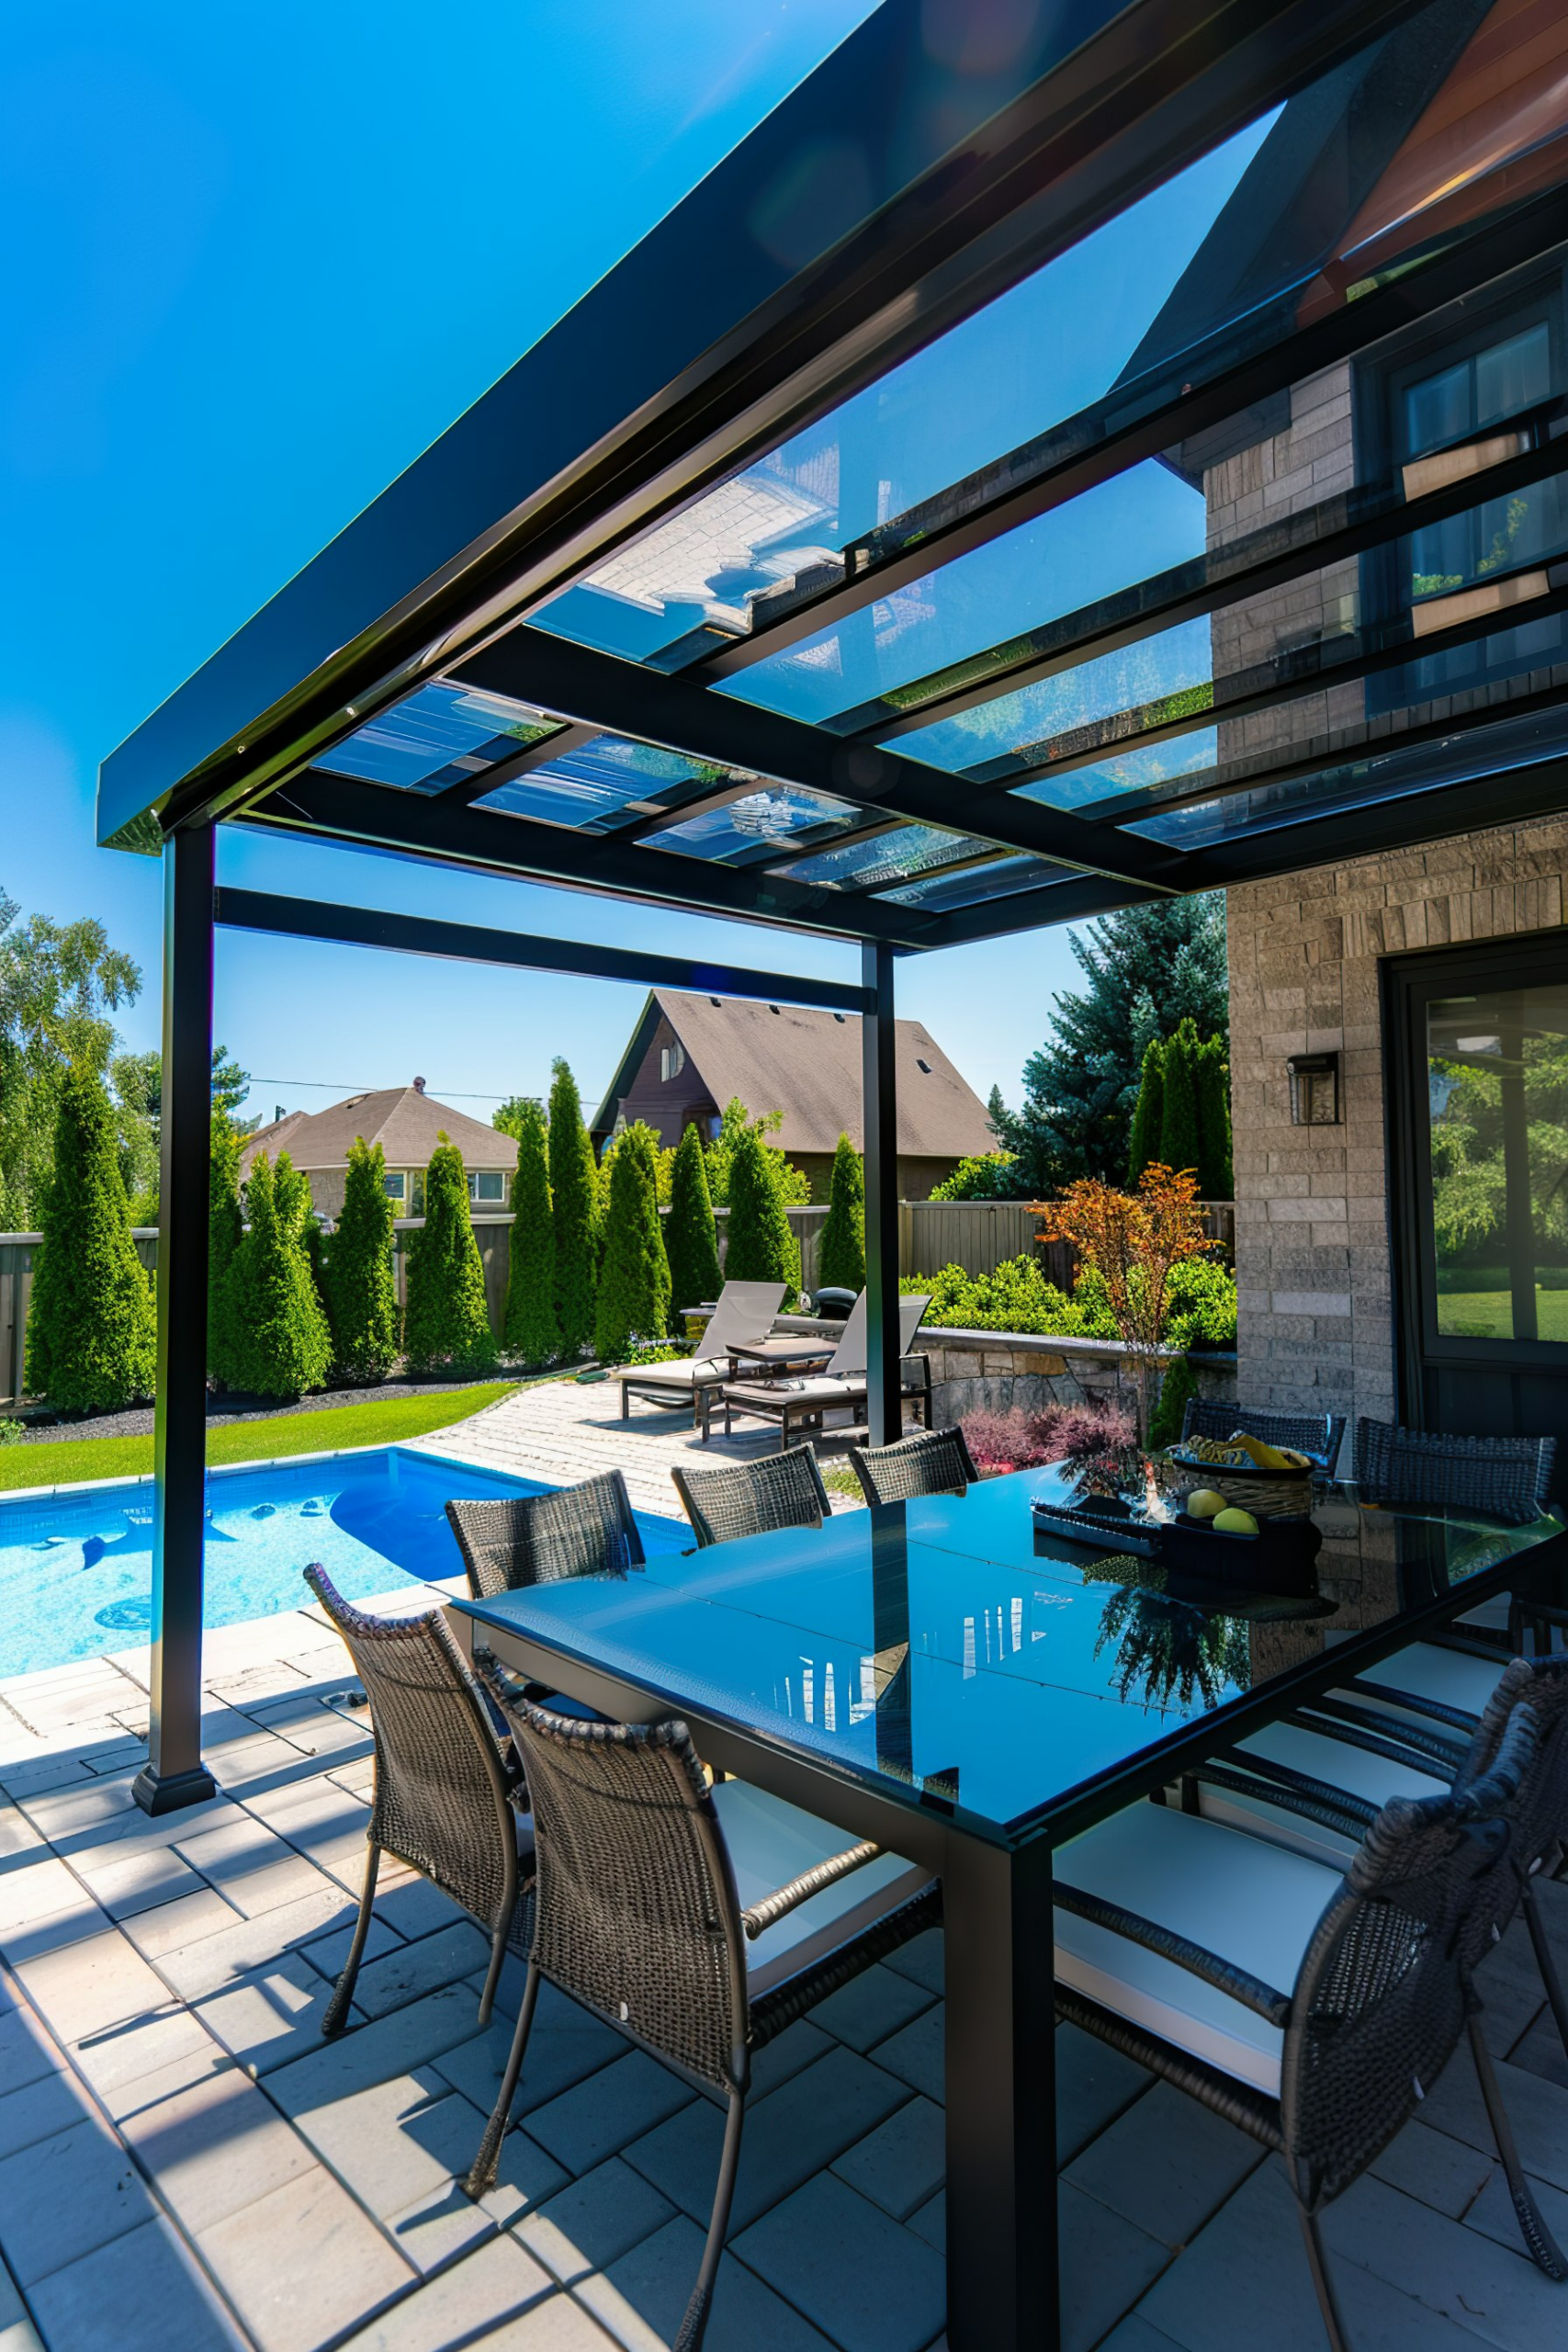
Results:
1283 1547
1112 1530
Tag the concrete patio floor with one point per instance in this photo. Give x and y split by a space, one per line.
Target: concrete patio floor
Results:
184 2163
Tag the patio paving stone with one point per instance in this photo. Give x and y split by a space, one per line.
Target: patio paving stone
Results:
339 2268
26 2051
1166 2164
565 2047
214 2148
184 1920
1444 2172
85 1986
900 2164
641 2300
64 2195
915 2055
147 2282
1106 2261
138 1881
274 2015
1496 2292
377 2052
599 2115
871 2008
857 2275
482 2292
408 1970
130 2066
593 2221
210 1961
1493 2212
924 1961
52 2103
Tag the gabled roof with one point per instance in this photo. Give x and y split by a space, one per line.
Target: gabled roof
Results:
406 1123
807 1065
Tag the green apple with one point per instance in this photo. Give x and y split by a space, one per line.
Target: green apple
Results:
1205 1503
1236 1522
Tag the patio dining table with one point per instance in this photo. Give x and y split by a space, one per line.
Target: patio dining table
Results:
945 1678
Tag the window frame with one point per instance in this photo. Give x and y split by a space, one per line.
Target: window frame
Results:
476 1198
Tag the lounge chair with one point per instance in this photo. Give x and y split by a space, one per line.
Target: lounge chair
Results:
802 1401
745 1311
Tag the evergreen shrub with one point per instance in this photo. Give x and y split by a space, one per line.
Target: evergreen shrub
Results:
761 1246
841 1253
634 1280
448 1324
92 1330
691 1237
1148 1112
361 1285
574 1197
225 1230
1179 1146
531 1330
274 1341
1178 1385
1211 1079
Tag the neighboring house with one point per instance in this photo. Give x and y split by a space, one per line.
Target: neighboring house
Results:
408 1123
1437 975
690 1056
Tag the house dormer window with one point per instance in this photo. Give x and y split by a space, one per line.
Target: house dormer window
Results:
671 1062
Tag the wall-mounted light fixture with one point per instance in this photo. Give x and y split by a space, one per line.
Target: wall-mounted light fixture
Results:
1314 1090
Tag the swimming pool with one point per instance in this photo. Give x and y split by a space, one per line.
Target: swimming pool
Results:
76 1569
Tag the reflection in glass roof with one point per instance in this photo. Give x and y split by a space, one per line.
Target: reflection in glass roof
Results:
886 858
1130 772
1003 878
752 829
607 782
438 737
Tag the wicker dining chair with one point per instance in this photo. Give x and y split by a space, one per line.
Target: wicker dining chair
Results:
751 1498
1505 1476
640 1917
449 1793
931 1462
1318 1434
1174 1936
582 1531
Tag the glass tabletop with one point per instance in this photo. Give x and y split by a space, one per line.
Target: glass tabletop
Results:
950 1651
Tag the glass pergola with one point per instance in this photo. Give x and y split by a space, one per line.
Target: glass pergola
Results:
1028 478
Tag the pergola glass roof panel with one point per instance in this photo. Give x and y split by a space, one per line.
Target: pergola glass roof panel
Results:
886 859
1003 877
437 736
605 783
754 828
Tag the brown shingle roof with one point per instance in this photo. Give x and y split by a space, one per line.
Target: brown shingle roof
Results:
806 1064
405 1123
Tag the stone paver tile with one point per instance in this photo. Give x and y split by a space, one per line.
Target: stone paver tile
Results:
377 2052
49 1769
327 1954
237 1847
272 2016
215 2147
403 2142
63 1814
641 2300
1538 2109
929 2222
599 2117
1496 2291
64 2195
87 1985
1540 2051
185 1920
921 1960
849 2268
255 1893
871 2008
900 2164
18 2333
402 1974
17 1834
565 2047
265 1762
812 2119
317 1807
50 2104
1106 2262
1493 2212
1136 2334
145 2289
303 2265
135 1832
148 2058
799 2046
26 2050
211 1961
594 2221
41 1889
1094 2084
1166 2164
134 1882
412 1907
1446 2173
467 2304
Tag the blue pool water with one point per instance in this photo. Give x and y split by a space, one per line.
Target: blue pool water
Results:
76 1570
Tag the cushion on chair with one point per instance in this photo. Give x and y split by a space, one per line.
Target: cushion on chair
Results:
1493 1613
1251 1903
817 1389
1451 1677
680 1372
770 1844
1323 1758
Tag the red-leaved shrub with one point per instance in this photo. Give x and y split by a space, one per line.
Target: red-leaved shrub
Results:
1082 1437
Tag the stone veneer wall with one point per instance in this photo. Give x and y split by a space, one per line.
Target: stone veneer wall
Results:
993 1371
1314 1276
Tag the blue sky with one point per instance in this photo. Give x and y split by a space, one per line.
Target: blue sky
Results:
256 261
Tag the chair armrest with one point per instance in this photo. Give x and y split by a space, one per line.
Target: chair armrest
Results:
1237 1984
1291 1791
1404 1742
1460 1718
1536 1615
762 1916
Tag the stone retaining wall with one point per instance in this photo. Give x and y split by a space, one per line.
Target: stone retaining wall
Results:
993 1371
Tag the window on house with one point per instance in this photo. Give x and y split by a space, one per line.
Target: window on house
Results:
671 1062
487 1187
416 1202
395 1186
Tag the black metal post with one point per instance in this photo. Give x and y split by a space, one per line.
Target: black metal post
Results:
175 1774
885 1413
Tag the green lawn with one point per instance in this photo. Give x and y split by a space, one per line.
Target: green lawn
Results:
383 1421
1489 1314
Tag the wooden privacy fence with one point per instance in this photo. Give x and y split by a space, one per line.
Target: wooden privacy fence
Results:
977 1234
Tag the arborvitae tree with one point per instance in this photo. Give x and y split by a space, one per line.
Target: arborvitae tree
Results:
448 1325
1178 1385
225 1230
634 1282
574 1196
691 1237
1178 1113
274 1341
761 1246
1211 1079
841 1253
361 1288
1149 1113
92 1330
531 1330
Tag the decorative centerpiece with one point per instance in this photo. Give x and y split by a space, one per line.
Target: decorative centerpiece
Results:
1246 1498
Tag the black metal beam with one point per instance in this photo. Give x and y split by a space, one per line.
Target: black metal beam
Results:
1507 797
1057 903
539 755
174 1775
342 807
1133 423
627 699
878 1034
522 951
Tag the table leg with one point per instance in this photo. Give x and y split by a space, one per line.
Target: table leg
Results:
1002 2278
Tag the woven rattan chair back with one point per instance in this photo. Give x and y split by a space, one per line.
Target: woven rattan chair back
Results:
638 1917
751 1498
1318 1434
1541 1810
1507 1477
582 1531
1381 1998
933 1462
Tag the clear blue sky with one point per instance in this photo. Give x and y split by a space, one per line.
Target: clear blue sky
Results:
255 262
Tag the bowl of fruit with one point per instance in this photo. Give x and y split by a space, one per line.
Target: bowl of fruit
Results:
1250 1476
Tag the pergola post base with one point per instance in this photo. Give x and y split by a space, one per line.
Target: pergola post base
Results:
172 1792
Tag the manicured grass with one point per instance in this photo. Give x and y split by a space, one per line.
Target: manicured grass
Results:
383 1421
1489 1314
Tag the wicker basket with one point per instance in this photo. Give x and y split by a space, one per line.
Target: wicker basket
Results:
1267 1494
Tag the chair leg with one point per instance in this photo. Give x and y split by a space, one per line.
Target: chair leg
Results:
694 2325
481 2175
1322 2285
338 2008
492 1975
1546 1963
1541 2246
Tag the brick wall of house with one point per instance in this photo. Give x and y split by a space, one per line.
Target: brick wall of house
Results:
1312 1260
